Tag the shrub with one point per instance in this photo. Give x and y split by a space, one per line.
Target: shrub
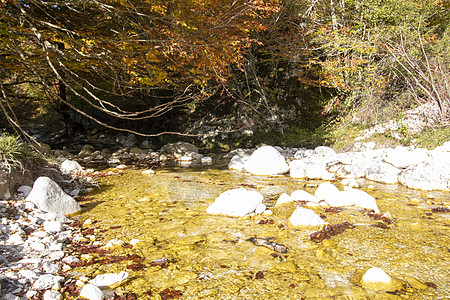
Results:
12 150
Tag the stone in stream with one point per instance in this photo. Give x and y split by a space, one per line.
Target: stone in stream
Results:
305 217
266 160
49 197
266 242
236 203
377 279
298 195
352 197
325 189
237 162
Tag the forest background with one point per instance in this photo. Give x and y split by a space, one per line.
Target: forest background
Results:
287 72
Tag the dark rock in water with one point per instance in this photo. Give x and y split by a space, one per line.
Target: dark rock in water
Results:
330 230
266 242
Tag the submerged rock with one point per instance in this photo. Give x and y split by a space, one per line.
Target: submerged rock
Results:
352 197
49 197
236 203
305 217
266 160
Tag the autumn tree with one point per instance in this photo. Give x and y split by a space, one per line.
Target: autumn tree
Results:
127 60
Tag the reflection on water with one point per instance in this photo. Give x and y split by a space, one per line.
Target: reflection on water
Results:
208 256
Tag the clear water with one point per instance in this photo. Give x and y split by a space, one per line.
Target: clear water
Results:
211 259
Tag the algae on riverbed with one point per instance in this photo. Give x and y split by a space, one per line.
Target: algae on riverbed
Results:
208 255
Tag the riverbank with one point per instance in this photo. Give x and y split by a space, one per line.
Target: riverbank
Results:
37 246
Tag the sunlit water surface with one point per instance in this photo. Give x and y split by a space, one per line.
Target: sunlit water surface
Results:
211 259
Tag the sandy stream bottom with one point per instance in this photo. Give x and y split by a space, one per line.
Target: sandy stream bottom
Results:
209 257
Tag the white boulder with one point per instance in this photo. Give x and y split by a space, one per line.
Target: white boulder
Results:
91 292
352 197
383 172
236 203
266 160
301 195
109 279
428 175
374 275
402 157
305 217
49 197
69 166
237 161
47 281
324 189
284 198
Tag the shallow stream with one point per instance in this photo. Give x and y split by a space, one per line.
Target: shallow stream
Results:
208 257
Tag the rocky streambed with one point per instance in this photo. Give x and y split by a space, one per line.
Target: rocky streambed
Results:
154 235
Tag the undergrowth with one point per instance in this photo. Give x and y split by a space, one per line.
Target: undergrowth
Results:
12 150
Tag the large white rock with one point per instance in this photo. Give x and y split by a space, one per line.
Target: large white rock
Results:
402 157
428 175
383 172
311 168
48 196
266 160
69 166
46 281
376 275
236 203
237 161
109 279
301 195
305 217
352 197
284 198
324 189
91 292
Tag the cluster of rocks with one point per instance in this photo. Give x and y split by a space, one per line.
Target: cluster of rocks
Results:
182 152
242 202
415 168
32 242
35 233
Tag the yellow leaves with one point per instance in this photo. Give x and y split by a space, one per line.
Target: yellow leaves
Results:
160 9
